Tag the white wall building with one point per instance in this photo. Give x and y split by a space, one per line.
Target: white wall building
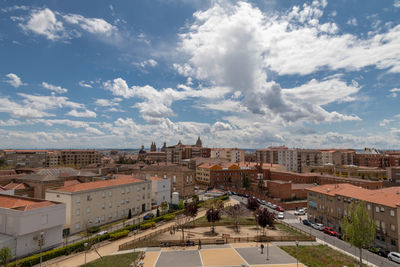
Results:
288 158
22 220
160 190
97 203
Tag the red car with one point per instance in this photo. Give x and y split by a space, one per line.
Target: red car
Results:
279 209
329 231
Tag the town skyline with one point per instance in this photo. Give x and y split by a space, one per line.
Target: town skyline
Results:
312 74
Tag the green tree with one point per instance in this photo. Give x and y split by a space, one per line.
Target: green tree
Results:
5 256
246 181
164 207
181 205
195 199
358 227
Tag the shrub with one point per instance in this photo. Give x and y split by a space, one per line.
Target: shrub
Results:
93 229
119 234
147 225
169 217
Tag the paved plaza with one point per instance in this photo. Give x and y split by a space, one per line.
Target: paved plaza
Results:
231 255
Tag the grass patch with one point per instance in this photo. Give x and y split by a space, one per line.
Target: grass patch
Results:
286 228
321 255
123 260
225 220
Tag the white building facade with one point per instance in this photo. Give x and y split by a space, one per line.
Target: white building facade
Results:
101 202
288 158
24 221
160 190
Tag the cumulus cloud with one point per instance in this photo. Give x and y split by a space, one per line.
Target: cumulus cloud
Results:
44 22
146 63
92 25
57 89
385 122
394 91
396 3
84 84
352 22
14 80
85 113
108 102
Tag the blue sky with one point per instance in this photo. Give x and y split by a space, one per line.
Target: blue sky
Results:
246 74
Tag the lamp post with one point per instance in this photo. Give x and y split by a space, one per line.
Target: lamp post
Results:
41 243
297 256
267 250
85 246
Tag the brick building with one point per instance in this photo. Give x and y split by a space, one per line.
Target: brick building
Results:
328 204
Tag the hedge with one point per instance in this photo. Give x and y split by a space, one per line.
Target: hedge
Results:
169 217
147 225
119 234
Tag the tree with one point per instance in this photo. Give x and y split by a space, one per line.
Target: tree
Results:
358 227
213 215
180 222
246 181
164 207
191 210
181 205
264 218
252 203
195 199
5 256
235 212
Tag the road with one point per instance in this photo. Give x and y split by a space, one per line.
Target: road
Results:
331 240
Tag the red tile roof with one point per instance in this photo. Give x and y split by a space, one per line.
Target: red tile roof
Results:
98 184
21 203
156 178
15 186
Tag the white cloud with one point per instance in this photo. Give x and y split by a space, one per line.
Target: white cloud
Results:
44 22
394 91
396 3
221 126
13 8
84 84
119 87
352 22
18 110
54 88
86 113
385 122
92 25
147 63
12 122
108 102
14 80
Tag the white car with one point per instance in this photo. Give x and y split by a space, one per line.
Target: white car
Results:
273 206
299 212
281 216
394 256
318 226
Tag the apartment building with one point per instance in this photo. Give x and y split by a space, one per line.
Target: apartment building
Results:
231 154
269 155
308 157
177 153
23 221
97 203
328 204
25 158
289 159
182 178
160 190
79 157
337 157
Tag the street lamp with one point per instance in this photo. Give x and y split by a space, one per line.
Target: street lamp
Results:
41 243
297 255
267 250
85 245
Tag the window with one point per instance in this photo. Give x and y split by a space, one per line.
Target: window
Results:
148 195
110 205
391 212
103 194
88 210
393 227
393 242
165 176
103 206
148 186
89 197
122 191
378 225
368 206
122 202
44 219
138 188
115 214
103 218
78 212
382 209
174 181
78 199
122 212
376 209
137 198
110 193
127 190
110 215
77 226
143 197
127 200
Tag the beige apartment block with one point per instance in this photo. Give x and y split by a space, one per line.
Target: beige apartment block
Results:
25 158
328 204
231 154
101 202
79 157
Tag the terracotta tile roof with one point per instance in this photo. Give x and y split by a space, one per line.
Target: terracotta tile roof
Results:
98 184
71 182
22 203
388 196
15 186
206 165
122 176
156 178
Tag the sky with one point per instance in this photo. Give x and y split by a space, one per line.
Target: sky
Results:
249 74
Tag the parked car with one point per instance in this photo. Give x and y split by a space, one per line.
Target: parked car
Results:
281 216
102 233
329 231
280 209
339 235
380 251
269 204
148 216
307 222
299 212
318 226
394 256
273 206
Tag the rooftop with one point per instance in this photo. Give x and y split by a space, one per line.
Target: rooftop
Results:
98 184
165 167
23 203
